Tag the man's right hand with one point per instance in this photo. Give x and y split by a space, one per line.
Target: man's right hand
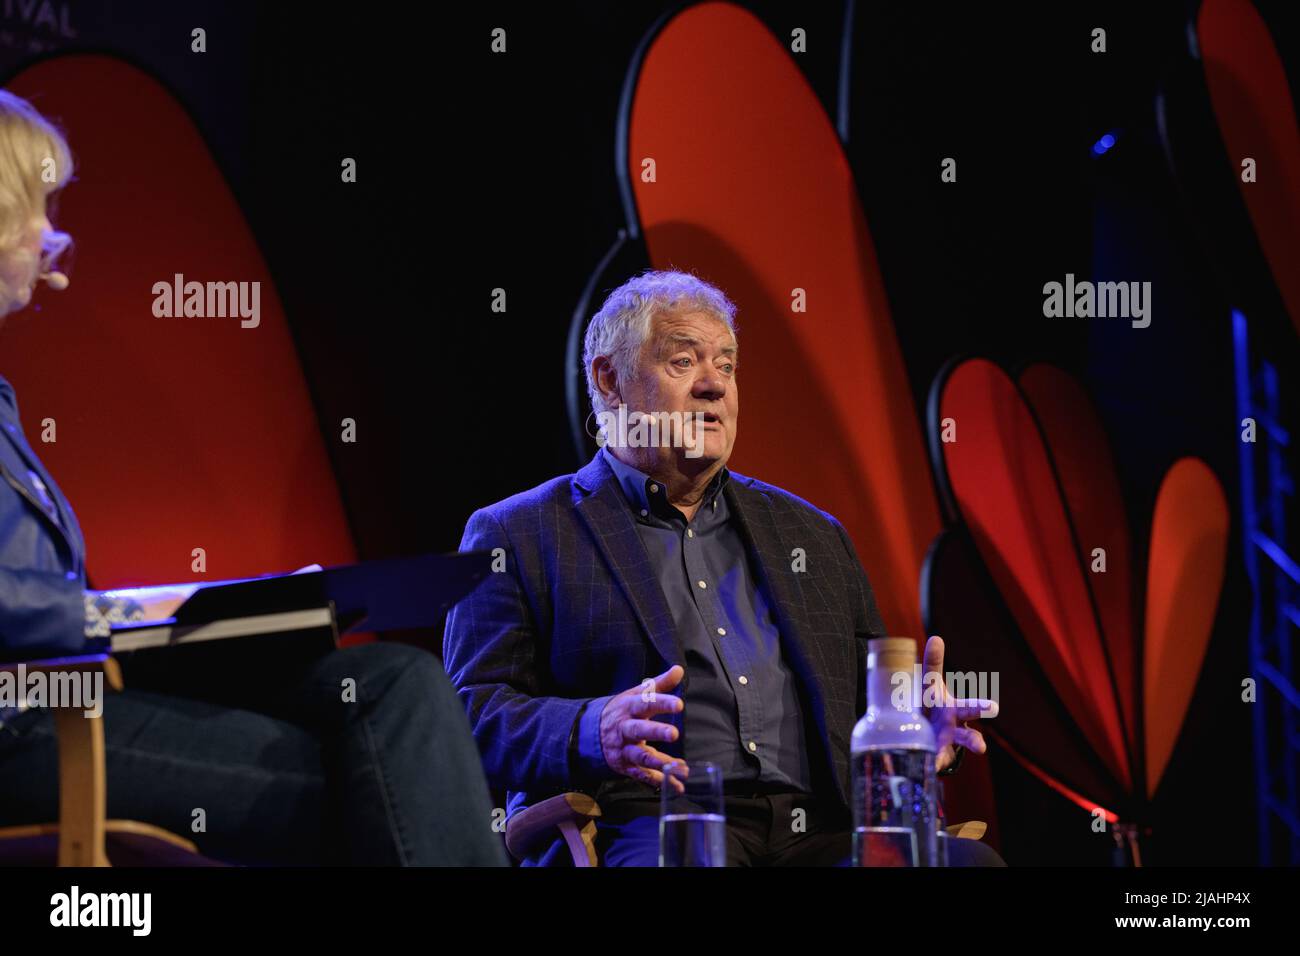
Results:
626 726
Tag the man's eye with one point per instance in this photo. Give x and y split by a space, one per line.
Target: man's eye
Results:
680 360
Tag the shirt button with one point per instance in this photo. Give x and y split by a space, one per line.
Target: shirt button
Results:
703 585
753 746
722 631
644 512
744 679
690 533
653 488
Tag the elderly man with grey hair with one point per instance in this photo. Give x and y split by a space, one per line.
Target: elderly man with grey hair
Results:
656 564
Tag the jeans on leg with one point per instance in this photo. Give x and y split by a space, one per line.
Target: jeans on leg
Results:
403 770
379 770
241 786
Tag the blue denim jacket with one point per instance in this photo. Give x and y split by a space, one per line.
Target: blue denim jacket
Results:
42 552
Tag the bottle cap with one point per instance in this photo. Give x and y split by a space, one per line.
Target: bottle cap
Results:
891 653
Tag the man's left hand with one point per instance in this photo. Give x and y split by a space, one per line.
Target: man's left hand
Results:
944 718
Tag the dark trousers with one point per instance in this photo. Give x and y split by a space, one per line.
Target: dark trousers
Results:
776 829
386 774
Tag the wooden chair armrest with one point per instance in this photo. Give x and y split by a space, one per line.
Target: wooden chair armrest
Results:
91 662
970 830
83 780
573 814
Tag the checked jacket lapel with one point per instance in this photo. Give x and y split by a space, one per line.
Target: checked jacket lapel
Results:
606 514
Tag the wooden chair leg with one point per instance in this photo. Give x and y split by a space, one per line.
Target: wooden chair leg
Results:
83 778
82 789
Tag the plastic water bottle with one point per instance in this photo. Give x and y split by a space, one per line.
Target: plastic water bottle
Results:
895 790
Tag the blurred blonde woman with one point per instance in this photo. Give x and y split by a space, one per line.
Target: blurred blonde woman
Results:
28 143
393 777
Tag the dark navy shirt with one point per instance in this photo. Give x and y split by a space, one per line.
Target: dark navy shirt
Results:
741 700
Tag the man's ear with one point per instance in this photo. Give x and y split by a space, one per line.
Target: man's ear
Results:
605 376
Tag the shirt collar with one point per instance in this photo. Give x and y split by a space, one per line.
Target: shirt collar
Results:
636 484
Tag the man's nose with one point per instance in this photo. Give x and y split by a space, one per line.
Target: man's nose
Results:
709 384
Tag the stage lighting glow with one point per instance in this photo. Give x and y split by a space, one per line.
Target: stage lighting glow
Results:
1103 144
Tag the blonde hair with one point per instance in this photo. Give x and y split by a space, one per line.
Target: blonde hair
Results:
35 161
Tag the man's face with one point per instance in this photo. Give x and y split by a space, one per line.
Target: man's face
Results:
688 365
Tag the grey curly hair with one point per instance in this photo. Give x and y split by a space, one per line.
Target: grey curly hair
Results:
621 327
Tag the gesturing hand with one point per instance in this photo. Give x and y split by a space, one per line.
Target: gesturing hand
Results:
944 717
625 726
